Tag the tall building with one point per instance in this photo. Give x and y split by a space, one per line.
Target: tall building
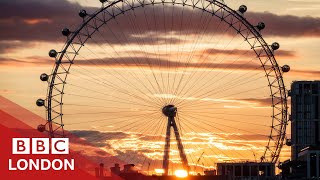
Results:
305 116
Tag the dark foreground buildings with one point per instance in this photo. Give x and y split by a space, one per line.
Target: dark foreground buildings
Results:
226 171
305 114
247 170
305 132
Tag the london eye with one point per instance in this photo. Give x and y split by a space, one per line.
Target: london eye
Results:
169 84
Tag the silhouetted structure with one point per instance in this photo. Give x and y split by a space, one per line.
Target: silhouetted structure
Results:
101 174
128 168
293 169
170 111
305 131
130 173
97 172
247 170
116 169
305 108
310 157
210 172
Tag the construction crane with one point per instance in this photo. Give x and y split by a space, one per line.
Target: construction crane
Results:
199 160
254 155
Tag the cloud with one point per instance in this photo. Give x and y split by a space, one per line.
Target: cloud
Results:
99 138
36 20
260 102
245 53
141 61
288 25
304 73
101 152
159 63
144 149
29 61
7 61
11 46
247 137
201 53
163 63
151 138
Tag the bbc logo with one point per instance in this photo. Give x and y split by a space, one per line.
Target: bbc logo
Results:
40 145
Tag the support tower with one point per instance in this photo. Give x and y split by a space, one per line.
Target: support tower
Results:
170 111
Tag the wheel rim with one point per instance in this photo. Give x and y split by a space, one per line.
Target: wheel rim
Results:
164 96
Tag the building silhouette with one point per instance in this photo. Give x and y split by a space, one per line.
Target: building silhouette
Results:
129 172
247 170
305 116
305 132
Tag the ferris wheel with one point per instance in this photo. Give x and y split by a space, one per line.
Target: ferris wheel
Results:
169 84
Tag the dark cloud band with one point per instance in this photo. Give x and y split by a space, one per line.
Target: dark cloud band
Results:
42 21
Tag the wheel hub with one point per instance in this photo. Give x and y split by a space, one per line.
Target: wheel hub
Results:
169 110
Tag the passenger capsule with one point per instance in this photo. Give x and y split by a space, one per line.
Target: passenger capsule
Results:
261 26
44 77
83 13
288 142
66 32
275 46
102 1
41 128
285 68
40 102
243 9
53 53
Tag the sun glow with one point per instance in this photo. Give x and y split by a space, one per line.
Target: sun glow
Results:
181 173
159 171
